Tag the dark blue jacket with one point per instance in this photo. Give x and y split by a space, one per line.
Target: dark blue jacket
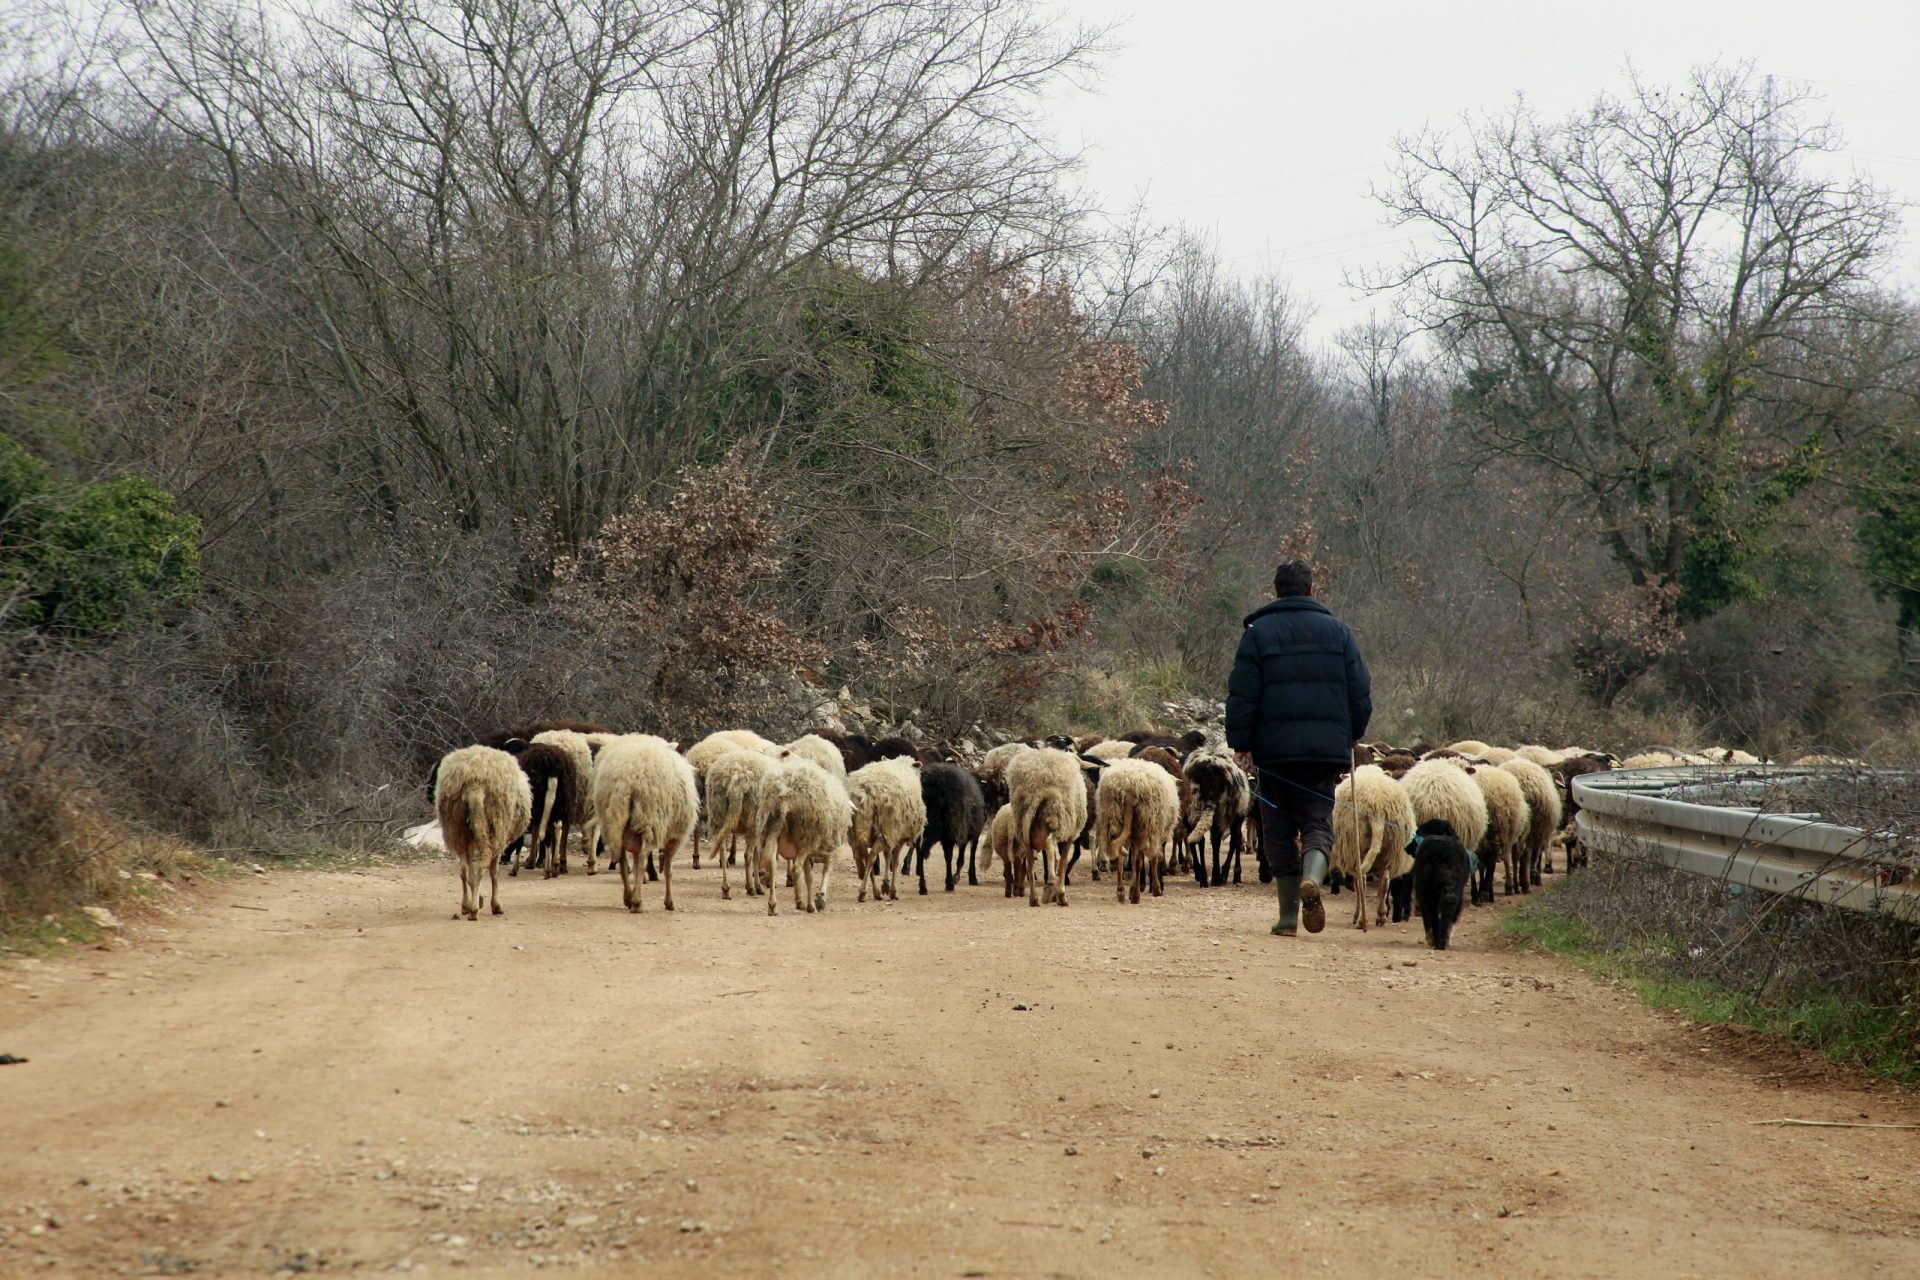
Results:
1299 690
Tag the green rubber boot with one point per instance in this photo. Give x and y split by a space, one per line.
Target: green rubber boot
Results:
1289 887
1312 913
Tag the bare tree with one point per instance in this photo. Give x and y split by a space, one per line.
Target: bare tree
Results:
534 239
1647 301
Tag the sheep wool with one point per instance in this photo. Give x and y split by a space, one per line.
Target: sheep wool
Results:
484 802
646 801
1002 845
1543 812
888 815
1138 808
823 753
580 753
1109 751
1507 825
714 745
1442 791
808 816
1373 822
1222 802
736 787
1049 799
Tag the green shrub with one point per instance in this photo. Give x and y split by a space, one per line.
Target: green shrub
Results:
87 561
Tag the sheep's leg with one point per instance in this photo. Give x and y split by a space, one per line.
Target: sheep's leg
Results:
793 874
696 844
893 887
826 874
803 885
666 870
468 879
973 859
493 885
919 856
946 851
726 885
629 873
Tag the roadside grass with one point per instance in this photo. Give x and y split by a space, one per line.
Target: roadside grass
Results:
1776 976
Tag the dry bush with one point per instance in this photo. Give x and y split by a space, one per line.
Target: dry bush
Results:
64 846
686 592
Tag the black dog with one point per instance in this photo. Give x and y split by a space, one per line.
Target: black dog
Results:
1440 872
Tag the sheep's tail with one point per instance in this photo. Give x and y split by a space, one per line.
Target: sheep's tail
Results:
480 832
549 797
1030 817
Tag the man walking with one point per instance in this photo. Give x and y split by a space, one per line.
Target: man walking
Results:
1297 702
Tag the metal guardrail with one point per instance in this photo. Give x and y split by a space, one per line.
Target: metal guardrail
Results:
1658 815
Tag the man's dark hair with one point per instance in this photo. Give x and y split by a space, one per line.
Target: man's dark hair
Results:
1294 578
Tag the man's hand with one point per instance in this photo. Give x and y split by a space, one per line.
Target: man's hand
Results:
1244 759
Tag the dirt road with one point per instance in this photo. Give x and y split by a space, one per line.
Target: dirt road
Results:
323 1071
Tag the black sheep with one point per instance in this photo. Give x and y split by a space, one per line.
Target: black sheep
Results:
892 747
956 813
1440 873
548 770
1220 789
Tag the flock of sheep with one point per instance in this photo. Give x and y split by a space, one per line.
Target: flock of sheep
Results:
1137 806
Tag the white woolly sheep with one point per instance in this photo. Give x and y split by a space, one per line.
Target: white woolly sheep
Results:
1049 799
1729 755
1543 814
1109 751
1440 790
1470 747
1012 854
579 818
736 810
889 814
823 753
808 816
711 748
644 794
1138 808
1507 826
484 802
1373 822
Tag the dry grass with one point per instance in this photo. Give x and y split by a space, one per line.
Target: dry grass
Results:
1842 982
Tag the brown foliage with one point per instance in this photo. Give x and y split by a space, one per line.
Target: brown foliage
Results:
685 588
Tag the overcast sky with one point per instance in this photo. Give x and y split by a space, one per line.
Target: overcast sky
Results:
1261 123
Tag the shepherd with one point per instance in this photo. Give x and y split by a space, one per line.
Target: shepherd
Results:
1298 703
